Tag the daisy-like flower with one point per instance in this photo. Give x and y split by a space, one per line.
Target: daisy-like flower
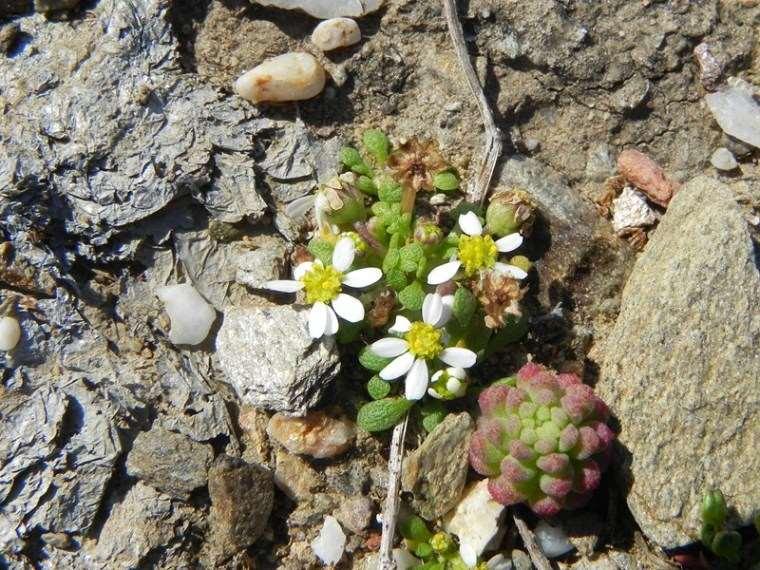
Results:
323 285
422 342
448 384
478 252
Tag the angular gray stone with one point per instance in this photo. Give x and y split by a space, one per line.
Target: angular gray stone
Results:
435 472
264 263
272 362
170 462
326 8
681 366
242 495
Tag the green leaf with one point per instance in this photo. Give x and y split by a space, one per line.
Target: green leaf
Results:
714 509
433 412
377 144
350 156
391 260
414 528
378 388
321 249
412 296
395 278
388 190
365 184
728 544
349 332
381 415
446 181
423 550
372 361
464 306
410 257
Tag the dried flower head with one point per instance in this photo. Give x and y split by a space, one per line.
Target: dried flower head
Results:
499 296
415 164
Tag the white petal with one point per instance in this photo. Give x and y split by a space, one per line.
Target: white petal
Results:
433 394
443 273
470 224
343 254
302 269
448 308
436 375
284 286
317 319
510 270
509 243
432 308
348 307
389 347
332 322
459 357
416 380
397 367
457 372
363 277
401 326
453 385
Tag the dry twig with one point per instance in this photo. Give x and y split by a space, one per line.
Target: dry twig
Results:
478 189
390 509
539 560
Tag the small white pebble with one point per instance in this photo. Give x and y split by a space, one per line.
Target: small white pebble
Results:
330 543
552 540
289 77
10 333
404 559
336 33
191 316
722 159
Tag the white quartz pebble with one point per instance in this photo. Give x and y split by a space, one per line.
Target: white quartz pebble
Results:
292 76
552 540
324 9
336 33
722 159
330 543
10 333
736 111
191 316
476 521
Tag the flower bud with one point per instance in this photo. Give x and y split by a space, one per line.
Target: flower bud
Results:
448 384
360 246
427 232
339 202
522 262
509 212
441 542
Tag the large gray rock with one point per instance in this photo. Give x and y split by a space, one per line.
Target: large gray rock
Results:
436 471
681 366
170 462
272 362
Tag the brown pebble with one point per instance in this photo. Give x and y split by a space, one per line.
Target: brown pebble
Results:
316 434
646 175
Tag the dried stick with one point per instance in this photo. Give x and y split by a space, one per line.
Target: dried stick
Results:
478 189
539 560
390 509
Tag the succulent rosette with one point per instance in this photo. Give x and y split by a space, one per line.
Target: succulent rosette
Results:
542 440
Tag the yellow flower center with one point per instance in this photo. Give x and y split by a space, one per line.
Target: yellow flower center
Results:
477 252
424 340
321 283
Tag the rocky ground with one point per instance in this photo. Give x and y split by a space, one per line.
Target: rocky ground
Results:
127 163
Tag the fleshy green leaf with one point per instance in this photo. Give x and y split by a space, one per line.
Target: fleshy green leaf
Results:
378 388
446 181
381 415
410 257
412 296
433 412
321 249
372 361
350 156
389 190
414 528
464 306
377 144
396 279
365 184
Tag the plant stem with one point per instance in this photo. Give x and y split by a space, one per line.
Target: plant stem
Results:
390 509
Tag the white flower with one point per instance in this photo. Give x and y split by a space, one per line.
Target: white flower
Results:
423 341
324 284
477 252
448 384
